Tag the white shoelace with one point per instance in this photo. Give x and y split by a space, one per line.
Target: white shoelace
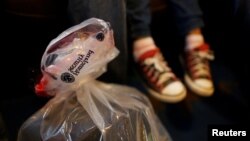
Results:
201 67
164 72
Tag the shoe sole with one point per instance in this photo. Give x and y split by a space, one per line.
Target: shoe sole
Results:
166 98
158 96
196 89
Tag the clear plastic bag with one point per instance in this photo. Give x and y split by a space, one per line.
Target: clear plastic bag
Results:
84 109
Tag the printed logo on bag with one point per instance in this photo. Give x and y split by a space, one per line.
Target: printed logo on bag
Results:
80 62
67 77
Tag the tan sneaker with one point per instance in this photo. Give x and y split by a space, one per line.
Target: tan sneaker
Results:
198 76
161 82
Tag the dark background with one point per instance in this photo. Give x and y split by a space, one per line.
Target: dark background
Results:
27 29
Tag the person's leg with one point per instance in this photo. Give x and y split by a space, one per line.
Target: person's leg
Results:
112 11
189 21
159 79
187 14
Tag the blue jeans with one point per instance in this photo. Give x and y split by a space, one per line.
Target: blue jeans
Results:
189 15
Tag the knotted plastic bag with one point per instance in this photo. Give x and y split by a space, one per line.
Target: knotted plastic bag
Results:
82 108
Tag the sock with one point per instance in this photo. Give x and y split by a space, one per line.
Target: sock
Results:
194 41
143 48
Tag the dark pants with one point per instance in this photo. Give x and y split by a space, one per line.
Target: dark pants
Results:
188 13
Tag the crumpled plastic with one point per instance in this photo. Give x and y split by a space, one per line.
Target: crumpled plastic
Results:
83 108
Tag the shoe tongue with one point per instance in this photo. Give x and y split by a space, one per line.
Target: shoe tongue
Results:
203 47
148 54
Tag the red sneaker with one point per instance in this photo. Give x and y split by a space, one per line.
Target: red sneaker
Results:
161 82
198 76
